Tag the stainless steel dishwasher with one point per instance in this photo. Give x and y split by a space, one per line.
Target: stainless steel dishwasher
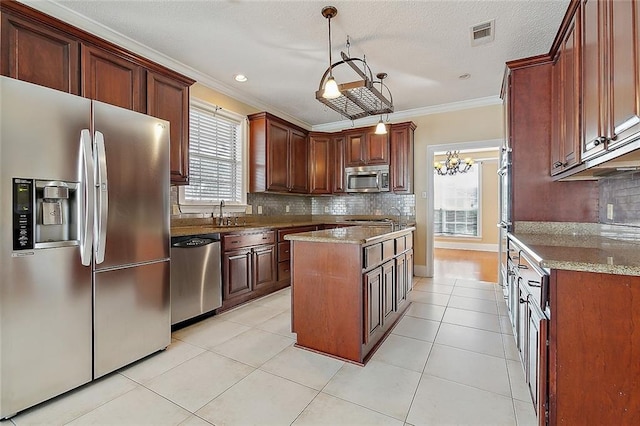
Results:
196 278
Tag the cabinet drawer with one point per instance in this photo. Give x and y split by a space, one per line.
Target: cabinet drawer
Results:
284 270
409 241
388 250
234 241
284 251
287 231
401 244
372 255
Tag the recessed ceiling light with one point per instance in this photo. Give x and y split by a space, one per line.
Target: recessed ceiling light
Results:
465 76
240 78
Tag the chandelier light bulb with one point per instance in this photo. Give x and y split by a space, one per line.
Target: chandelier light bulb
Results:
381 129
331 90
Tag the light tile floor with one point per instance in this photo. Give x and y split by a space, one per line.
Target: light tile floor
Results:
450 360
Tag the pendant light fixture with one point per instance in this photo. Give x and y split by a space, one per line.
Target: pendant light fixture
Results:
331 90
352 99
381 129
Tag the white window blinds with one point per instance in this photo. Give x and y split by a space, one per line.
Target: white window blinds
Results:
215 157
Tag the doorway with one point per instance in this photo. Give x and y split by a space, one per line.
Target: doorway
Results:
468 245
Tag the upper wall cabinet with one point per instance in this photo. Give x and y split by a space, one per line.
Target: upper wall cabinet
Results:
278 155
402 157
363 147
109 78
168 98
565 88
43 50
320 163
38 54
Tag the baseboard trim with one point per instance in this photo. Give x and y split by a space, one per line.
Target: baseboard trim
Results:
420 270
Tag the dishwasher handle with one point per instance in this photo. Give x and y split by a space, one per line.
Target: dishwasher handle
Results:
194 242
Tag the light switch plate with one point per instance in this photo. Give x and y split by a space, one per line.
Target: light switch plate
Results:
610 211
259 209
287 209
424 194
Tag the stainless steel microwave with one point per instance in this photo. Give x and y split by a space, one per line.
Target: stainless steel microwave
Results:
367 179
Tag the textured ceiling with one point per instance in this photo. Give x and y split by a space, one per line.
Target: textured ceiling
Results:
282 46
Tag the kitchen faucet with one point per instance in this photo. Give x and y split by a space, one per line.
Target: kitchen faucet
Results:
220 218
399 215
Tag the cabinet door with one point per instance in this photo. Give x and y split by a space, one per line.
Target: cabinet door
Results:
570 51
112 79
401 282
537 360
372 304
298 163
169 99
354 149
402 158
377 149
277 156
338 164
264 265
624 36
557 118
594 81
409 262
320 164
39 55
236 273
388 289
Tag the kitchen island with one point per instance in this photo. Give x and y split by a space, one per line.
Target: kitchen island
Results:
349 287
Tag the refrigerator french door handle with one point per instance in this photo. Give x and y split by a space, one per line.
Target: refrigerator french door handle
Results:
87 176
102 197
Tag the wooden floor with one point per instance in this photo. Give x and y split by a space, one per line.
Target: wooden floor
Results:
479 265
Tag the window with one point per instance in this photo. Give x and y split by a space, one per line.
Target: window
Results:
457 204
216 145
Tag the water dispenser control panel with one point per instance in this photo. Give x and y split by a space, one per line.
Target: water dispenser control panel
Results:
23 211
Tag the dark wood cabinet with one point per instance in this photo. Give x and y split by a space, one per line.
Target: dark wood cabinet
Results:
372 283
46 51
389 284
624 58
168 98
401 167
338 147
320 163
39 54
363 147
566 98
401 284
284 251
249 267
236 265
109 78
278 155
594 85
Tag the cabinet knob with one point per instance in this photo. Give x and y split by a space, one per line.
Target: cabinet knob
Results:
557 164
599 140
523 301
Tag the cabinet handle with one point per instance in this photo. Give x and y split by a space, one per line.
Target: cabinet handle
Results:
534 283
265 238
599 140
523 266
557 164
523 301
235 241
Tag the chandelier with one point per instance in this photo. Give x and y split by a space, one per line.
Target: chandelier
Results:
452 164
355 99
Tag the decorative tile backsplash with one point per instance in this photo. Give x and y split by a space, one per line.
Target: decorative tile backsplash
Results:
623 193
351 204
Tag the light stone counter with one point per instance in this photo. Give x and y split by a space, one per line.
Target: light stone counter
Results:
349 235
590 247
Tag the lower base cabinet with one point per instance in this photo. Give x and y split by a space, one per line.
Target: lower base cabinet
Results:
249 267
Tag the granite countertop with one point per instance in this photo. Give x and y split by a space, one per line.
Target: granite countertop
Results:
581 247
200 226
349 235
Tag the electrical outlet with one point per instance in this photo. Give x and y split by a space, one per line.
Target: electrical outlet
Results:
610 211
286 209
259 209
326 209
249 209
424 194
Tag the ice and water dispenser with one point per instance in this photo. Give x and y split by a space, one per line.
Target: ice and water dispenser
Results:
45 214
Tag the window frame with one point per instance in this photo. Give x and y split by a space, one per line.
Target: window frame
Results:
191 206
479 164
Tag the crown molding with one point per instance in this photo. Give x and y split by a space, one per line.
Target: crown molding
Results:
410 113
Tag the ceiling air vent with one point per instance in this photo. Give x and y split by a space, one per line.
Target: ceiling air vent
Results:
483 33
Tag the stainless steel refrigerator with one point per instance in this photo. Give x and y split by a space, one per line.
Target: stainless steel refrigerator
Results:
84 234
